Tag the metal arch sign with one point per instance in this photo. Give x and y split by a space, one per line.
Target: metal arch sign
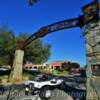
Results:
62 25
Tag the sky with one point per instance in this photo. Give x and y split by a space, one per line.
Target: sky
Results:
67 44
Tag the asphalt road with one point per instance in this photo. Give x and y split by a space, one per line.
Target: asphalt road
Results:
56 95
74 88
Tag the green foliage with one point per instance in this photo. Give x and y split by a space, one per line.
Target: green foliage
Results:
36 52
7 45
3 77
57 72
27 74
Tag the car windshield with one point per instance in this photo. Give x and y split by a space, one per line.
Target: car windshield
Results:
44 77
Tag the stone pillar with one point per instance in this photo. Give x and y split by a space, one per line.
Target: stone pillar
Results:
17 68
92 35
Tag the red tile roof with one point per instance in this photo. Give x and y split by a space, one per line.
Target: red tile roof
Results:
28 65
58 63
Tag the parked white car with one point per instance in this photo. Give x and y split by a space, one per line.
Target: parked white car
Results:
43 84
3 69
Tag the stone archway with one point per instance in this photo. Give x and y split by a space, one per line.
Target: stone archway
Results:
92 36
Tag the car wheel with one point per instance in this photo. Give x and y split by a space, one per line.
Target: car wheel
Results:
31 87
63 86
45 93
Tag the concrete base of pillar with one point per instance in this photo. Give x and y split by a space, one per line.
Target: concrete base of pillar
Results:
92 89
17 68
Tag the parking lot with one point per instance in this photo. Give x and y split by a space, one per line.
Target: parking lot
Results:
73 88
